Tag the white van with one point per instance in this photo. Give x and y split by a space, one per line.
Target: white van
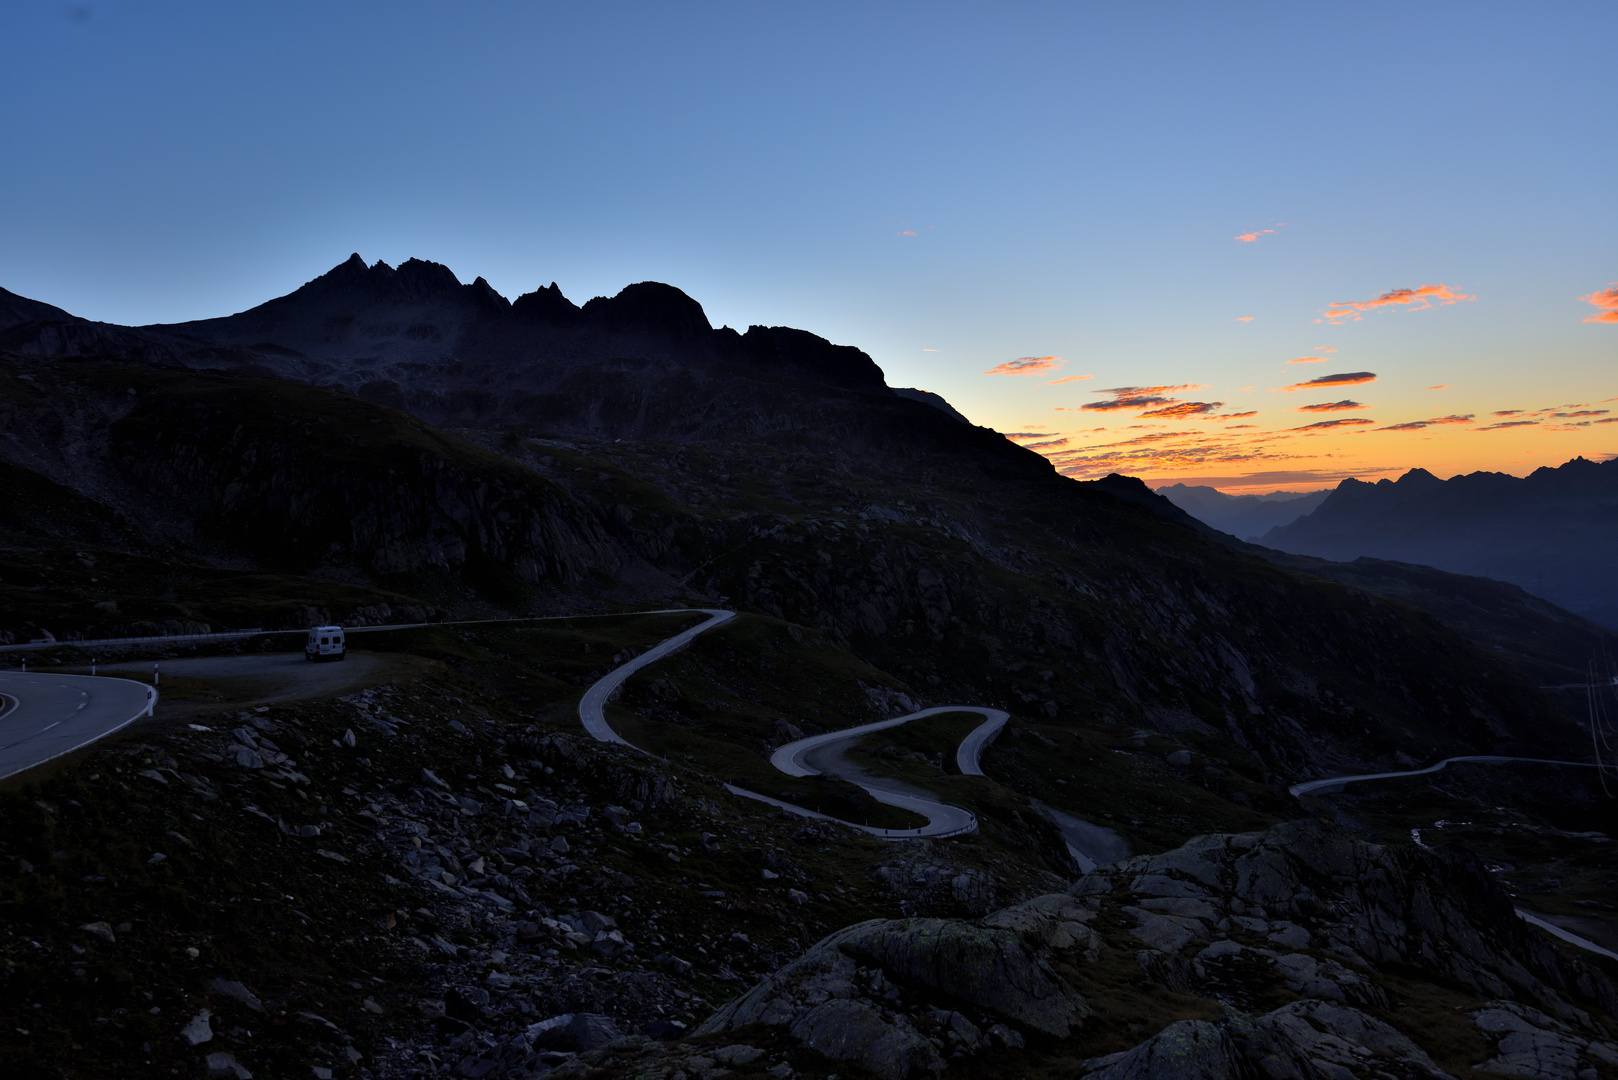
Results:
325 643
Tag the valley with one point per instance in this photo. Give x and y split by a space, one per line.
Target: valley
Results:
602 565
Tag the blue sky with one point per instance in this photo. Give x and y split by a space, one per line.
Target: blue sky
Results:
1074 177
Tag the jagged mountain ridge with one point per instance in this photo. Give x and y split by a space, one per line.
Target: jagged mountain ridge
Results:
1552 532
415 337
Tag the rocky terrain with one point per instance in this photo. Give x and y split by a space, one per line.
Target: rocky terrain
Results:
441 875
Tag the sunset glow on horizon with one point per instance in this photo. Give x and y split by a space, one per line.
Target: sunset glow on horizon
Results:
1287 271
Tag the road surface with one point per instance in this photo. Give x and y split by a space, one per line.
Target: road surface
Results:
44 715
265 678
943 819
1336 783
593 705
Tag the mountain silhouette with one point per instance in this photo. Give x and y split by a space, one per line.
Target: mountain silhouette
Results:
1553 532
415 337
1245 516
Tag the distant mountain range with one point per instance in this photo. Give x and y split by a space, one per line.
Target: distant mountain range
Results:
1553 532
1244 516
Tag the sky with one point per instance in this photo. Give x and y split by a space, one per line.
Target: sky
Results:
1259 246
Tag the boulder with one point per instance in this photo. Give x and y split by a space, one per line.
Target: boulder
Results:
886 1044
198 1031
591 1031
1305 1040
851 997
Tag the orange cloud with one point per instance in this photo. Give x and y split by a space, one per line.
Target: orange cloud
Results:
1236 416
1137 397
1332 406
1507 412
1324 348
1069 378
1509 423
1185 410
1415 299
1441 386
1027 434
907 232
1308 360
1252 237
1347 378
1026 365
1043 445
1417 425
1242 318
1345 421
1582 412
1605 299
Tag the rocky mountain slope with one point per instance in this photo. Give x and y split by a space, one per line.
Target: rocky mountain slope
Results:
1551 532
1166 683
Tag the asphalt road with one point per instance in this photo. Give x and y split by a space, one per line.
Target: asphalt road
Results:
49 714
593 705
811 757
1336 783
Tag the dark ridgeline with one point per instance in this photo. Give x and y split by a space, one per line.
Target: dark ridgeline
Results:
639 364
1553 532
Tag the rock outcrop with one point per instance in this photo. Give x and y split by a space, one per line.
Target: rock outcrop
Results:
1306 1040
868 994
1308 886
1303 911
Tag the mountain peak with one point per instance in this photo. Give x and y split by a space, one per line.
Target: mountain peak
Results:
546 306
1418 478
650 307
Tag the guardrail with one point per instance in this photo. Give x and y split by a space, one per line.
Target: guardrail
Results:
155 639
161 639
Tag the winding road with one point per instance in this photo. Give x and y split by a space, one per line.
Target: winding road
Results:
1331 784
943 819
593 705
1335 783
44 715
